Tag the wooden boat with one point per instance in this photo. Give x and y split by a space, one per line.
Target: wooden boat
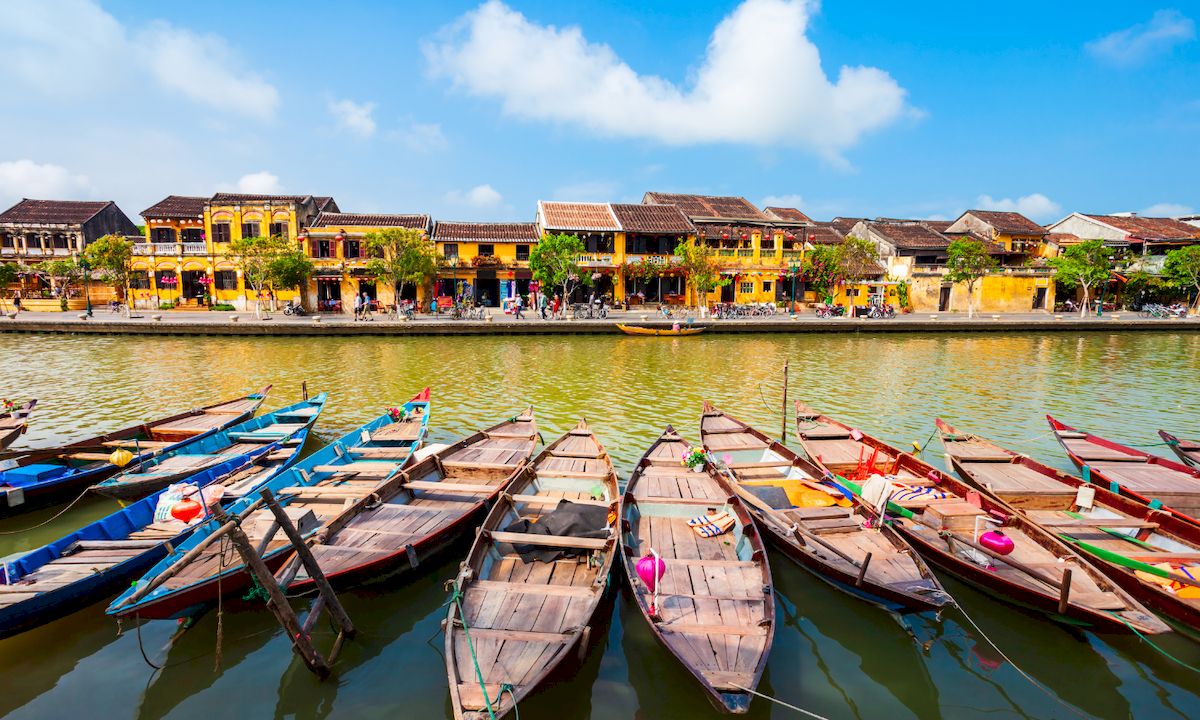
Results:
1128 538
1187 450
945 520
715 608
197 572
1148 478
193 456
14 422
414 514
102 558
659 332
529 600
832 540
34 479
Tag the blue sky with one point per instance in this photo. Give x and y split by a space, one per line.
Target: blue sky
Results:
475 111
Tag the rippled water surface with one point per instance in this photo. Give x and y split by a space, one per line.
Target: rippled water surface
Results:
832 655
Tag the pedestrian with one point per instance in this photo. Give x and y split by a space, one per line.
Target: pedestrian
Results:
366 306
518 306
554 306
543 304
17 303
358 307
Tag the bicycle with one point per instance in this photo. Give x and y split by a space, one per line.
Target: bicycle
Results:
583 311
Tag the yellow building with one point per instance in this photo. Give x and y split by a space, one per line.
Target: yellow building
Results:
336 242
1013 231
487 262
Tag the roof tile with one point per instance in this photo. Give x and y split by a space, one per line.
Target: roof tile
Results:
336 219
786 213
724 207
577 216
1147 228
449 231
662 219
174 206
53 212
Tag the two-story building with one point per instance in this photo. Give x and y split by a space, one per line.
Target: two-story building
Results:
337 244
1022 238
175 261
486 261
1139 235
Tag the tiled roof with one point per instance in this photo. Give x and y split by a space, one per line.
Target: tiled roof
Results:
326 204
320 202
174 206
1010 223
707 206
1062 239
53 212
826 234
1150 228
577 216
784 213
664 219
844 224
725 231
446 231
336 219
911 236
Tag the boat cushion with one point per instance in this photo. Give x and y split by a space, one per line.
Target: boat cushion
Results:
775 497
31 474
567 519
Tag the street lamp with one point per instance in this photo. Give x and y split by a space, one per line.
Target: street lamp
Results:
793 270
87 272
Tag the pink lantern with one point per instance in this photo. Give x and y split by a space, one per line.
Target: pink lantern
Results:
651 568
995 541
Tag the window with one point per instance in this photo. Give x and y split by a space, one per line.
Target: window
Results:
139 280
192 235
225 280
7 240
220 232
280 229
768 243
166 279
162 235
251 229
353 249
522 253
851 292
60 241
766 286
450 250
487 250
746 287
324 249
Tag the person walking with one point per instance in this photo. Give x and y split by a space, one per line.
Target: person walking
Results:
17 303
518 306
554 306
358 307
366 306
543 304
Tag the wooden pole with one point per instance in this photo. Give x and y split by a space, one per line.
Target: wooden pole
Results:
278 603
1064 592
304 389
862 570
783 430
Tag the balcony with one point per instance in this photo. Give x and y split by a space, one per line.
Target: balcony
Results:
594 260
142 249
745 252
8 251
165 248
195 248
792 254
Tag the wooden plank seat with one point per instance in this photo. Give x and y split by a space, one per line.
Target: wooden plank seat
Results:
330 490
1091 451
449 487
469 465
829 526
147 444
703 629
545 500
381 453
537 588
130 543
1099 523
760 464
700 502
817 513
557 473
573 454
724 430
520 635
559 541
509 436
824 432
372 469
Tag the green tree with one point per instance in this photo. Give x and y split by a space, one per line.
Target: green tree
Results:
289 270
62 273
255 257
1083 265
112 255
967 260
402 257
700 267
1182 269
553 262
857 259
822 270
8 276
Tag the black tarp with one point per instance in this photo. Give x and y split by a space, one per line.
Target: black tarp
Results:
567 519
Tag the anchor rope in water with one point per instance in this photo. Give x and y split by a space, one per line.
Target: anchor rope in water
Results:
456 598
138 628
1151 643
1016 667
56 516
779 702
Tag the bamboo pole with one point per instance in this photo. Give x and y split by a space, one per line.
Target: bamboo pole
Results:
1064 592
784 424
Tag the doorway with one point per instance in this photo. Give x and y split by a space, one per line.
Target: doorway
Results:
1039 299
944 299
329 294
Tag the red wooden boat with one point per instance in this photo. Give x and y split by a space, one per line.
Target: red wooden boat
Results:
1129 471
1187 450
1150 552
971 533
13 423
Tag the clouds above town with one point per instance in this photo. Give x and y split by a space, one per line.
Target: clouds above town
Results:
27 179
1035 206
262 182
1167 209
480 197
1134 45
354 117
548 73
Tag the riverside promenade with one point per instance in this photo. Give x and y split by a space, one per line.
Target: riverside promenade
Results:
246 324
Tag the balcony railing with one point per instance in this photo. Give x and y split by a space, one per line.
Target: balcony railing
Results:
194 248
726 252
142 249
792 254
8 251
745 252
166 248
594 260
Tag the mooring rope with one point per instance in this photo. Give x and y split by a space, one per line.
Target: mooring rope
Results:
779 702
56 516
1149 642
138 628
456 598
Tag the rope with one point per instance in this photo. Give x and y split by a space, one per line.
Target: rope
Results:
456 598
47 522
922 446
779 702
1023 674
137 619
220 603
1149 642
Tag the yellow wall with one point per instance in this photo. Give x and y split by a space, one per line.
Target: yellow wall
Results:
995 293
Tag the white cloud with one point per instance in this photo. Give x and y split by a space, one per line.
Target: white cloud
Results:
25 178
422 137
1035 207
70 49
1166 209
787 201
1133 45
480 197
260 182
356 118
760 81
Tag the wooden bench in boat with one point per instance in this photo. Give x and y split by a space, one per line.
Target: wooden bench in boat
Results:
535 588
560 541
331 491
1099 523
546 500
148 444
131 543
449 487
573 454
508 436
373 469
471 465
381 453
555 472
702 629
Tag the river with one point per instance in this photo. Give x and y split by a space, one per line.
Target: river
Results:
832 655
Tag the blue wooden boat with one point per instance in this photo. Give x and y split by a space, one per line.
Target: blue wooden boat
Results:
101 558
193 456
35 479
196 572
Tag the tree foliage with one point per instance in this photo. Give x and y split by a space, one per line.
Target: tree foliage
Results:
1083 265
552 261
1182 269
822 270
260 258
62 272
967 260
112 255
402 256
290 269
857 259
700 267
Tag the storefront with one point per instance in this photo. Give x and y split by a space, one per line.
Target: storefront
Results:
329 293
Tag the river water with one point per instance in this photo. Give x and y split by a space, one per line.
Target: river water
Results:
833 655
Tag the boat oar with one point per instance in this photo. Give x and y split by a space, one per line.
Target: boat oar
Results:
1118 559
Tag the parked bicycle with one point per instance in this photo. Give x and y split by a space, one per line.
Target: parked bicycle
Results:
583 311
1155 310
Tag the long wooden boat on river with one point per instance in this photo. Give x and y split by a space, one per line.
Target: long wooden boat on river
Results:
659 332
13 423
194 455
714 609
1136 473
416 513
971 533
199 570
815 522
1187 450
529 593
101 558
1153 554
34 479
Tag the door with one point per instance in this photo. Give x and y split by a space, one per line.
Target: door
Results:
1039 299
944 299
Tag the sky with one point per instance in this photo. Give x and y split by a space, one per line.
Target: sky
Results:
475 111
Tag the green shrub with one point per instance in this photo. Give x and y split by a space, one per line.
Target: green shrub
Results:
62 304
225 307
166 306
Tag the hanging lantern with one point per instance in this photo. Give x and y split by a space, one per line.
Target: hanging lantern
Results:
120 458
745 236
186 510
812 237
725 235
791 236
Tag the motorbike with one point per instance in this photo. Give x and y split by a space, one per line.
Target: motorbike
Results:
830 311
295 309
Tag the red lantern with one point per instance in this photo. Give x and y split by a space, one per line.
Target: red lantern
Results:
186 510
790 236
725 235
744 236
812 237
